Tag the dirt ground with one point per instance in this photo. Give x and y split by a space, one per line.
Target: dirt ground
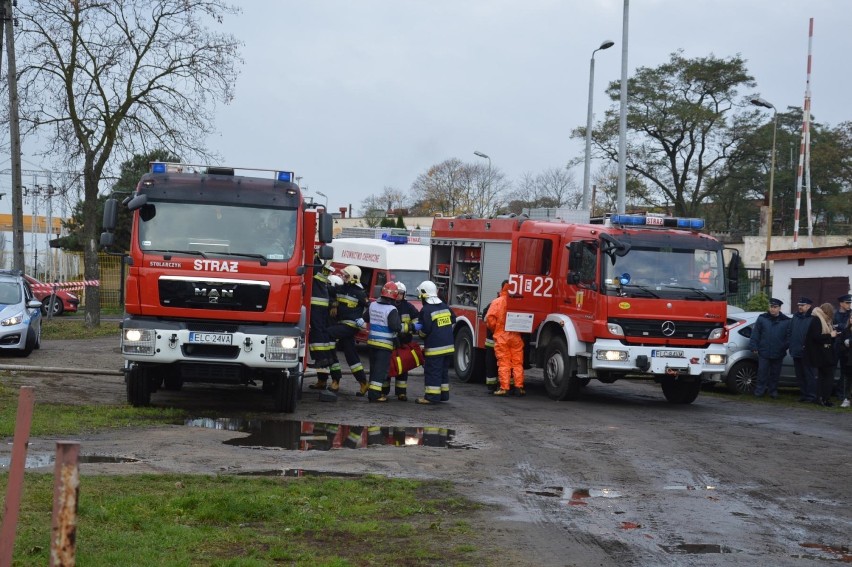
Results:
620 477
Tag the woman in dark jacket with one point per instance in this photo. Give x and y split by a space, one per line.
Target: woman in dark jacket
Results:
819 350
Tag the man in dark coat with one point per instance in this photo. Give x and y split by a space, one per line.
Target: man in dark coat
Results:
769 340
805 373
841 323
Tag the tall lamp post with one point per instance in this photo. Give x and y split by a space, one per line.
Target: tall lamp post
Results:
766 104
605 45
482 155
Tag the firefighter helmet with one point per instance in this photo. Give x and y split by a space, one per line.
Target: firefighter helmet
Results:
354 272
427 290
390 290
401 289
335 281
326 265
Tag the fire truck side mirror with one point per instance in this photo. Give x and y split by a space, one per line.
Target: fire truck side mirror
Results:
107 239
110 215
734 273
326 228
325 252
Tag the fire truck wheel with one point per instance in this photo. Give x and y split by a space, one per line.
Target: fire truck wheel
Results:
138 387
287 389
680 391
742 378
560 372
468 362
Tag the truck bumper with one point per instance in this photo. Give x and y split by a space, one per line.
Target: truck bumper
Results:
614 356
265 347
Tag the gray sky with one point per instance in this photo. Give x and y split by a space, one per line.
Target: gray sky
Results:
356 95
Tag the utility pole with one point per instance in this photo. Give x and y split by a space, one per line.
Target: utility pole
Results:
14 139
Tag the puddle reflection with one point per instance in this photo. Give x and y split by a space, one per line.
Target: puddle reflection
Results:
46 460
317 436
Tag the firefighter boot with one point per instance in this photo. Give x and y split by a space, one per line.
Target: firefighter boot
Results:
363 387
320 384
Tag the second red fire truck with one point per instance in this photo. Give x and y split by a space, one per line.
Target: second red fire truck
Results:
629 295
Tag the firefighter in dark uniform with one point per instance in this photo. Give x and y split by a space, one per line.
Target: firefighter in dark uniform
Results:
490 355
320 345
437 321
351 301
409 315
385 324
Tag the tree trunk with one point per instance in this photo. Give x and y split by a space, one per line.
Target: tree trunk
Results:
91 264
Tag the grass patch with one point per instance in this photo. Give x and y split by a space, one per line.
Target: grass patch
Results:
61 328
62 419
224 520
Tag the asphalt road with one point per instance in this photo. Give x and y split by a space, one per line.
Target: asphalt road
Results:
620 477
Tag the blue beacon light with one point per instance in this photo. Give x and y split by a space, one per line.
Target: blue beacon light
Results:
158 167
286 176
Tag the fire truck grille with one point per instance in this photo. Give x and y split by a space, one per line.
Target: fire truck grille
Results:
665 328
230 296
212 373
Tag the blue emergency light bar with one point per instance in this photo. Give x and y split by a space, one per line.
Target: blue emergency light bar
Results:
395 238
286 176
643 220
158 167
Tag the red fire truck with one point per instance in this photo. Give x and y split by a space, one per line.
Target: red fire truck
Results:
216 290
604 299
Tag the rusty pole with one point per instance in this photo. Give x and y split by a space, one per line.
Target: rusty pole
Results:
66 489
23 420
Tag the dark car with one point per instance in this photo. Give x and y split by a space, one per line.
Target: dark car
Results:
741 370
62 301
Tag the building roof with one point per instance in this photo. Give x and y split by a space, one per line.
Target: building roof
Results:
810 253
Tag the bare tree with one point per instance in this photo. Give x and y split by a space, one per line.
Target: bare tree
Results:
102 81
373 209
553 188
453 187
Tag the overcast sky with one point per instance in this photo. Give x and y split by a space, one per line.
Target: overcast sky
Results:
356 95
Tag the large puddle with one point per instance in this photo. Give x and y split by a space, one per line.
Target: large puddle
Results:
39 460
317 436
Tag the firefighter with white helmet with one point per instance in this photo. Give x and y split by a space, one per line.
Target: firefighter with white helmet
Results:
385 324
351 302
437 321
320 345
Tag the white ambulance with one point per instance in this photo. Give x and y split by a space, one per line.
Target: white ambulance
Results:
383 260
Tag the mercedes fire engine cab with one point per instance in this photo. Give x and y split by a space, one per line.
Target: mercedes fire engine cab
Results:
629 295
216 288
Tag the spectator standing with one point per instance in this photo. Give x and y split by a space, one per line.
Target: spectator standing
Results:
385 324
769 340
437 321
508 346
841 324
350 304
805 373
846 346
819 349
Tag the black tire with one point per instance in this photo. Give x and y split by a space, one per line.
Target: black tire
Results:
560 372
29 344
173 382
288 386
468 361
138 384
58 306
681 391
742 378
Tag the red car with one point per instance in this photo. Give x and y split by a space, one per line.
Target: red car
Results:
63 302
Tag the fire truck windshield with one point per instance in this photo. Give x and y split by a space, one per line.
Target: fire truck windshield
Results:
217 229
666 272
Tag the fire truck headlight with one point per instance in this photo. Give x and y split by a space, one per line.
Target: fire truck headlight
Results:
615 329
716 333
138 341
611 355
715 359
280 349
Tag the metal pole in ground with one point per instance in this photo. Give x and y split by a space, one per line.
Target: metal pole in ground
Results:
23 420
66 489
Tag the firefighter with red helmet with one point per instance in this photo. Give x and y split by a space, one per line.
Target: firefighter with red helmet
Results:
385 324
409 316
437 321
508 346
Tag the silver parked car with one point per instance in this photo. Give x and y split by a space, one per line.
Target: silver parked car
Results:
20 314
741 370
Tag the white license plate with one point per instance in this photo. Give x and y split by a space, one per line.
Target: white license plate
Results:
211 338
667 353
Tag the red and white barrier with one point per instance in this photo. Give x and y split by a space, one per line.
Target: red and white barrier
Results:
65 285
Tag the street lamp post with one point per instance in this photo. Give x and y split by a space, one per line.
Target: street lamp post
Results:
323 195
484 156
766 104
604 45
